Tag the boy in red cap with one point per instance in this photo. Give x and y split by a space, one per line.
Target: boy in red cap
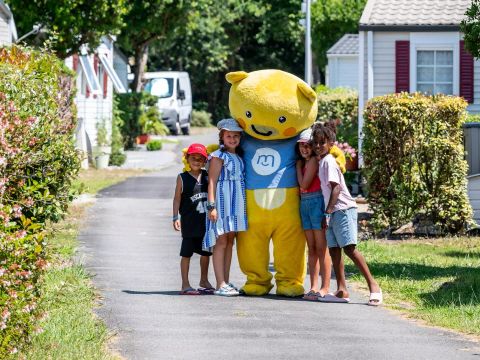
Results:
189 212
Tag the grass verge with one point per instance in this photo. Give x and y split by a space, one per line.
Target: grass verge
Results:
69 329
436 280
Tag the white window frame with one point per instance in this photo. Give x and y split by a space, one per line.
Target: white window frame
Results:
435 41
112 74
90 74
435 66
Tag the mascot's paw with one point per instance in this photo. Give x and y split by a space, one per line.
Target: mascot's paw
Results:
256 290
290 290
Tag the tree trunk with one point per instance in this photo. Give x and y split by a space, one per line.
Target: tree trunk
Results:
141 57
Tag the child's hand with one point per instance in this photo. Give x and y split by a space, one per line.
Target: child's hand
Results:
212 215
176 225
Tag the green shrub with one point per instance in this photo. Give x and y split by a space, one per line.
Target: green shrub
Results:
414 161
154 145
201 118
473 118
151 122
38 162
133 106
117 157
342 104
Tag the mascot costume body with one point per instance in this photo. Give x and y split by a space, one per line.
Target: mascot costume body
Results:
273 107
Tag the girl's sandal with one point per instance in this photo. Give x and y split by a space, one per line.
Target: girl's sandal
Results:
312 296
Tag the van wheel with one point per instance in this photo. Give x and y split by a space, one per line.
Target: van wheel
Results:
186 130
176 130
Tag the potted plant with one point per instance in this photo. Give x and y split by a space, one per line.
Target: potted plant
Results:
151 124
103 149
350 155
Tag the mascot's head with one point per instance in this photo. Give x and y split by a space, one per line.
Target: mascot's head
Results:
271 104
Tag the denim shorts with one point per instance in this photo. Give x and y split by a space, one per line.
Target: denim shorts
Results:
342 229
311 210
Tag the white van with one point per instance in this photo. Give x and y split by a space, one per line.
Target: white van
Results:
175 98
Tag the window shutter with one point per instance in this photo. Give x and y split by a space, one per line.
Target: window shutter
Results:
95 68
466 73
75 62
402 66
105 82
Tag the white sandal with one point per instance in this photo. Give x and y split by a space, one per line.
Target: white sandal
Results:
375 299
226 290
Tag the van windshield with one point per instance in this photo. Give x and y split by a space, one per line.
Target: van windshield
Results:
161 87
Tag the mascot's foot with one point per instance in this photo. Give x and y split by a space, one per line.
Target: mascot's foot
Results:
290 290
256 290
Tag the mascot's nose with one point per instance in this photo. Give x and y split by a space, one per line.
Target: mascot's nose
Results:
264 130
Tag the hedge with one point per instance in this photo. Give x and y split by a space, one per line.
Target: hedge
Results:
38 162
414 162
201 118
342 104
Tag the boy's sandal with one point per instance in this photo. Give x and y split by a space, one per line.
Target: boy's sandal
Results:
190 291
206 291
226 291
375 299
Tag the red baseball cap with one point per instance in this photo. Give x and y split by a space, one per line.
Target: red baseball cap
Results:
197 149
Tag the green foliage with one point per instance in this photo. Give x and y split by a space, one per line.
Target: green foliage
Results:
154 145
414 161
231 35
470 26
117 157
132 106
151 122
68 24
201 119
38 163
341 104
102 133
473 118
331 19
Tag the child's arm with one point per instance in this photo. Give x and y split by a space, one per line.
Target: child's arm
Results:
333 197
214 169
310 172
299 166
176 204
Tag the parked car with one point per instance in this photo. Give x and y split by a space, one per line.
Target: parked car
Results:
175 98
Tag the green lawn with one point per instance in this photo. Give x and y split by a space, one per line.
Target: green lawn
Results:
437 280
69 329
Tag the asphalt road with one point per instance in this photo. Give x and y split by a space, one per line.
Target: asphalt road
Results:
132 250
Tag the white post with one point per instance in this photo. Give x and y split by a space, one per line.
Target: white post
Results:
308 46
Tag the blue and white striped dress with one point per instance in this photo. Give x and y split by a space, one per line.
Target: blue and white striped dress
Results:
229 199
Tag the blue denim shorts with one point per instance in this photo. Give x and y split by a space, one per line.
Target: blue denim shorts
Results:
311 210
342 229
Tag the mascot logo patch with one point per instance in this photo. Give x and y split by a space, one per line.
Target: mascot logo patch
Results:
266 161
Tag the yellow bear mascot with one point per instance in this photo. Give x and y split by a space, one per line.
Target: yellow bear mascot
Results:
273 107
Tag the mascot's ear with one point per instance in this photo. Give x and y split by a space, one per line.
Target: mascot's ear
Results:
236 76
307 91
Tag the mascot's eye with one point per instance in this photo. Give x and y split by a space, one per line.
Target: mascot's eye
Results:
248 114
282 119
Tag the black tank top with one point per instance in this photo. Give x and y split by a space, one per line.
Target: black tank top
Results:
193 204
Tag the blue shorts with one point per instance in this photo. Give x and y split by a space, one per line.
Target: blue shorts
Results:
342 229
311 210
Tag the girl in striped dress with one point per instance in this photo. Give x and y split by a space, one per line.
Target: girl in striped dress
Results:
226 203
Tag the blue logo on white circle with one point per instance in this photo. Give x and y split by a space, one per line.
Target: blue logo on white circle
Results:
266 161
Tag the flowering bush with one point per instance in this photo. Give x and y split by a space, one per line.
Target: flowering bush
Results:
348 150
38 161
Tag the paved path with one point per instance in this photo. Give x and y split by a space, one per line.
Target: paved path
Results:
130 246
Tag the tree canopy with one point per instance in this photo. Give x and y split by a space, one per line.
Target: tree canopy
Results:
69 24
471 28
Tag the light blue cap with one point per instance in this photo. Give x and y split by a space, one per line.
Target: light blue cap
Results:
229 124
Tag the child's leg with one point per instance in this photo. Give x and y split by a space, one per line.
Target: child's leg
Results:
313 265
336 254
219 259
204 262
359 261
184 267
324 260
228 255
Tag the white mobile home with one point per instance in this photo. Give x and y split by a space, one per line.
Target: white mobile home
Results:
96 81
8 31
342 70
416 45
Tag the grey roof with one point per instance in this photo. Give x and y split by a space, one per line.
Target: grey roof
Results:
414 13
347 45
